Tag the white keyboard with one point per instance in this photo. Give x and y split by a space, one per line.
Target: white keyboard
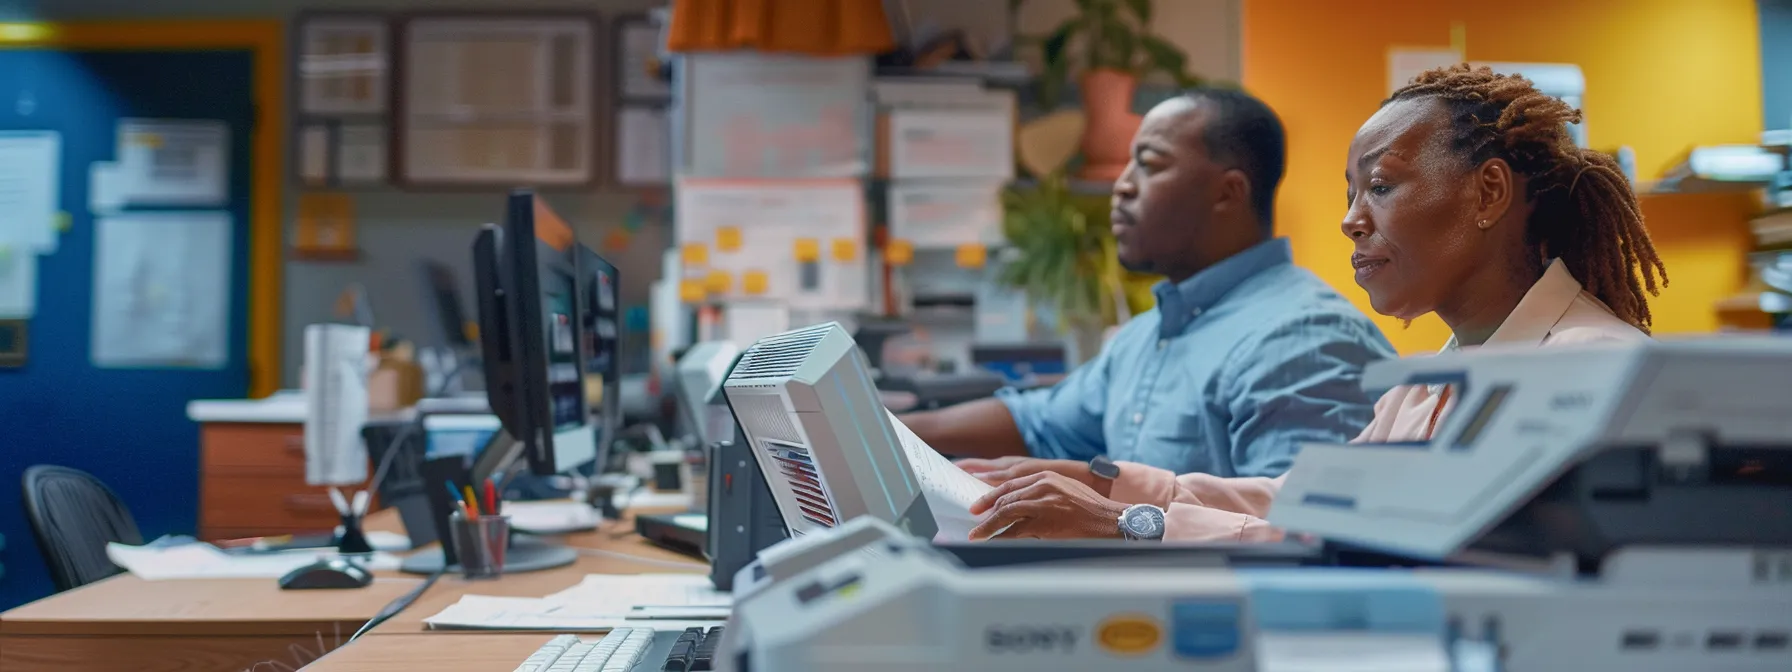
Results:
618 651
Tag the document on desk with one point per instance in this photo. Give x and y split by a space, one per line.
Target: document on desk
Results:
204 561
950 491
599 602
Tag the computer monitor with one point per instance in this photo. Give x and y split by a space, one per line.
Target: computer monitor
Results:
530 298
826 444
600 298
442 299
699 375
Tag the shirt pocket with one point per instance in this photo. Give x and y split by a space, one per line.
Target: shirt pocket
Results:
1181 440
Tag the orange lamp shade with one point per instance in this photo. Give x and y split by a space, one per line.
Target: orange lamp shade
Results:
813 27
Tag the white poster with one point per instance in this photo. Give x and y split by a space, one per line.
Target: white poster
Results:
30 166
18 284
797 241
775 115
161 284
973 143
174 162
945 216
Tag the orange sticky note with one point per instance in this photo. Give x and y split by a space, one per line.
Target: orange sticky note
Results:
728 238
972 255
754 282
718 282
694 254
691 291
807 250
899 252
845 249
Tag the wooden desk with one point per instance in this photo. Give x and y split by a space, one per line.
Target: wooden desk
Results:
231 624
126 623
410 653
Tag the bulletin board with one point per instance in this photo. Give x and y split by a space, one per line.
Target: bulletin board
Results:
801 242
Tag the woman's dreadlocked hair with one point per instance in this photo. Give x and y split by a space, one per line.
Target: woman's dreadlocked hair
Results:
1583 209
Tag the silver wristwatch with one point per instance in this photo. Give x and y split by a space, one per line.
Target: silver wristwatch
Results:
1142 522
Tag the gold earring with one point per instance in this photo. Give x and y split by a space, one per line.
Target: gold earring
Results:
1484 224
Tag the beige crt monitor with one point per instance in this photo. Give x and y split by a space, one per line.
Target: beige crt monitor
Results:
828 448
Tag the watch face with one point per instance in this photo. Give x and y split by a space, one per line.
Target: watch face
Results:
1145 522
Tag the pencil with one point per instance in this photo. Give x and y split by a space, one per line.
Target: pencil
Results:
455 495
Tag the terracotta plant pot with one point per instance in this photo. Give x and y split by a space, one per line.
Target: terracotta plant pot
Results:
1107 139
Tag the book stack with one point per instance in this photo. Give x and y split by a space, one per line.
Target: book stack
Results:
1771 265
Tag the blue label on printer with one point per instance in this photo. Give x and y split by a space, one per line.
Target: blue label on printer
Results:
1318 600
1204 629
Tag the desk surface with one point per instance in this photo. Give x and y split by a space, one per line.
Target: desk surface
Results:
185 616
408 653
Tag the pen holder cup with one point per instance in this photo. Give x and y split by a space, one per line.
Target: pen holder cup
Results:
479 544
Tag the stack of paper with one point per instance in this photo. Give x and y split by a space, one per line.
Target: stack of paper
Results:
599 602
204 561
950 491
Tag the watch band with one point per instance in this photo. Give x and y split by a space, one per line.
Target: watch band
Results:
1102 467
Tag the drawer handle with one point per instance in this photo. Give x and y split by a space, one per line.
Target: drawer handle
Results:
309 502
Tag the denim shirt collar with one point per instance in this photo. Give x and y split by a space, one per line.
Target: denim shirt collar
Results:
1180 303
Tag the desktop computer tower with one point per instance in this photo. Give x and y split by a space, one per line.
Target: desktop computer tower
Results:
743 517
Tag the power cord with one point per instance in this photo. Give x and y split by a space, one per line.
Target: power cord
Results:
403 602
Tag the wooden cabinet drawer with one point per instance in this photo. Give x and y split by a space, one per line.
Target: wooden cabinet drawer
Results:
253 449
266 503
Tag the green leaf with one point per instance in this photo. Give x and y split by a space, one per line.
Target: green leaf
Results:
1121 42
1164 56
1141 10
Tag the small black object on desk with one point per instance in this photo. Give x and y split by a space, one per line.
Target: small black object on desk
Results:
325 574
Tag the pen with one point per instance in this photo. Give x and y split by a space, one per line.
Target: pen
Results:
491 497
455 495
359 507
472 502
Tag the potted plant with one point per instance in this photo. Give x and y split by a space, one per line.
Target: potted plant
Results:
1112 43
1063 259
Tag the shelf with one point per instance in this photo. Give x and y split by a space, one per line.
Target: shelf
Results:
1695 185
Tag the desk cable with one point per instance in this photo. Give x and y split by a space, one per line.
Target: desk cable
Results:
392 609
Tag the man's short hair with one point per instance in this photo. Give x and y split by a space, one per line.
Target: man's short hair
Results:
1242 132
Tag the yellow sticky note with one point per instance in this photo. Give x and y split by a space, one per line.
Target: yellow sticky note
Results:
691 291
728 238
807 250
694 254
718 282
972 255
64 222
150 140
845 249
899 252
754 282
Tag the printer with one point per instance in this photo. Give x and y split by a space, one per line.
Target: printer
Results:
1619 507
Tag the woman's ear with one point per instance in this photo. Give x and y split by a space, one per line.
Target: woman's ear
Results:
1497 188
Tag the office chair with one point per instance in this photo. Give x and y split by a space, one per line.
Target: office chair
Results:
74 515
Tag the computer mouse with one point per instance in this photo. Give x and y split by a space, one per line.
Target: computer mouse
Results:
327 573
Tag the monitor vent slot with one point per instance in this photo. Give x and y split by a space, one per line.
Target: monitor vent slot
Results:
766 415
805 485
779 356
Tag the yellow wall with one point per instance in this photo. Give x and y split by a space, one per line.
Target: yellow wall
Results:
1662 75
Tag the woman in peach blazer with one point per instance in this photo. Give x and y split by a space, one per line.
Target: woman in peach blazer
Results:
1467 198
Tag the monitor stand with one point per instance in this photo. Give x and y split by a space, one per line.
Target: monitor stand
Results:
526 554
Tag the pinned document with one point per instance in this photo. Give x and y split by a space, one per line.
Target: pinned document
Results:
161 290
30 190
945 216
728 238
174 162
18 284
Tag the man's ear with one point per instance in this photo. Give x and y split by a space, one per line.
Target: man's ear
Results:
1233 191
1497 189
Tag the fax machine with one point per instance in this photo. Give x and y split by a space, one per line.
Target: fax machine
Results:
1609 471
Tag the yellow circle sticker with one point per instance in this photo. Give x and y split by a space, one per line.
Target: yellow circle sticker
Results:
1129 634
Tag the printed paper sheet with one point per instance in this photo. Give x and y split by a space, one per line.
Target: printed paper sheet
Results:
161 284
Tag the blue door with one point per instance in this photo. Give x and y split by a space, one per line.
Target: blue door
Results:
126 426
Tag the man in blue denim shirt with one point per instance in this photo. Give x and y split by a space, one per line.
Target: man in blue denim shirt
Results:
1245 357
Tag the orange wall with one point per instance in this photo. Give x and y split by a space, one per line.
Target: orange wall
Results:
1662 75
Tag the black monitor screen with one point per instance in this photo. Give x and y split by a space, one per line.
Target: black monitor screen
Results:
558 307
